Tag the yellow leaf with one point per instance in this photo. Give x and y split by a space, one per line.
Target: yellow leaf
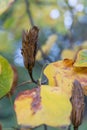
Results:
48 45
84 45
52 107
63 73
4 5
53 69
68 54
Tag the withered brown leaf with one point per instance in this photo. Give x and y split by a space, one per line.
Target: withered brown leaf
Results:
77 101
29 48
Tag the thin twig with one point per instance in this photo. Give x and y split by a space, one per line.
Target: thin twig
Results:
29 12
43 3
32 24
26 82
73 20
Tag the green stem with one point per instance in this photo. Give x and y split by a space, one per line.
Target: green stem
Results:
69 127
24 83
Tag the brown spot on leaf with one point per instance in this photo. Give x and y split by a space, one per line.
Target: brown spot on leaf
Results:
36 102
68 62
28 93
34 94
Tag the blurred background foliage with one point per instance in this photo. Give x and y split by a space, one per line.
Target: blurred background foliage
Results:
63 30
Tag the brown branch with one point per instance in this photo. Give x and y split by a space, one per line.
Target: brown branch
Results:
29 12
75 128
32 24
77 101
73 20
43 3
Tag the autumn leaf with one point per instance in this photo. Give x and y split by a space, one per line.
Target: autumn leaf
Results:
63 73
71 53
50 104
68 54
51 107
6 77
81 60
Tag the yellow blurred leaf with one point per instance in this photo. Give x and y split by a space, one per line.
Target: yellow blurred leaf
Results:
63 73
6 42
48 45
4 5
68 54
52 107
84 45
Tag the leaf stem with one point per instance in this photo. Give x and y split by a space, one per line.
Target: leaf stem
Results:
45 127
75 128
31 76
69 127
26 82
